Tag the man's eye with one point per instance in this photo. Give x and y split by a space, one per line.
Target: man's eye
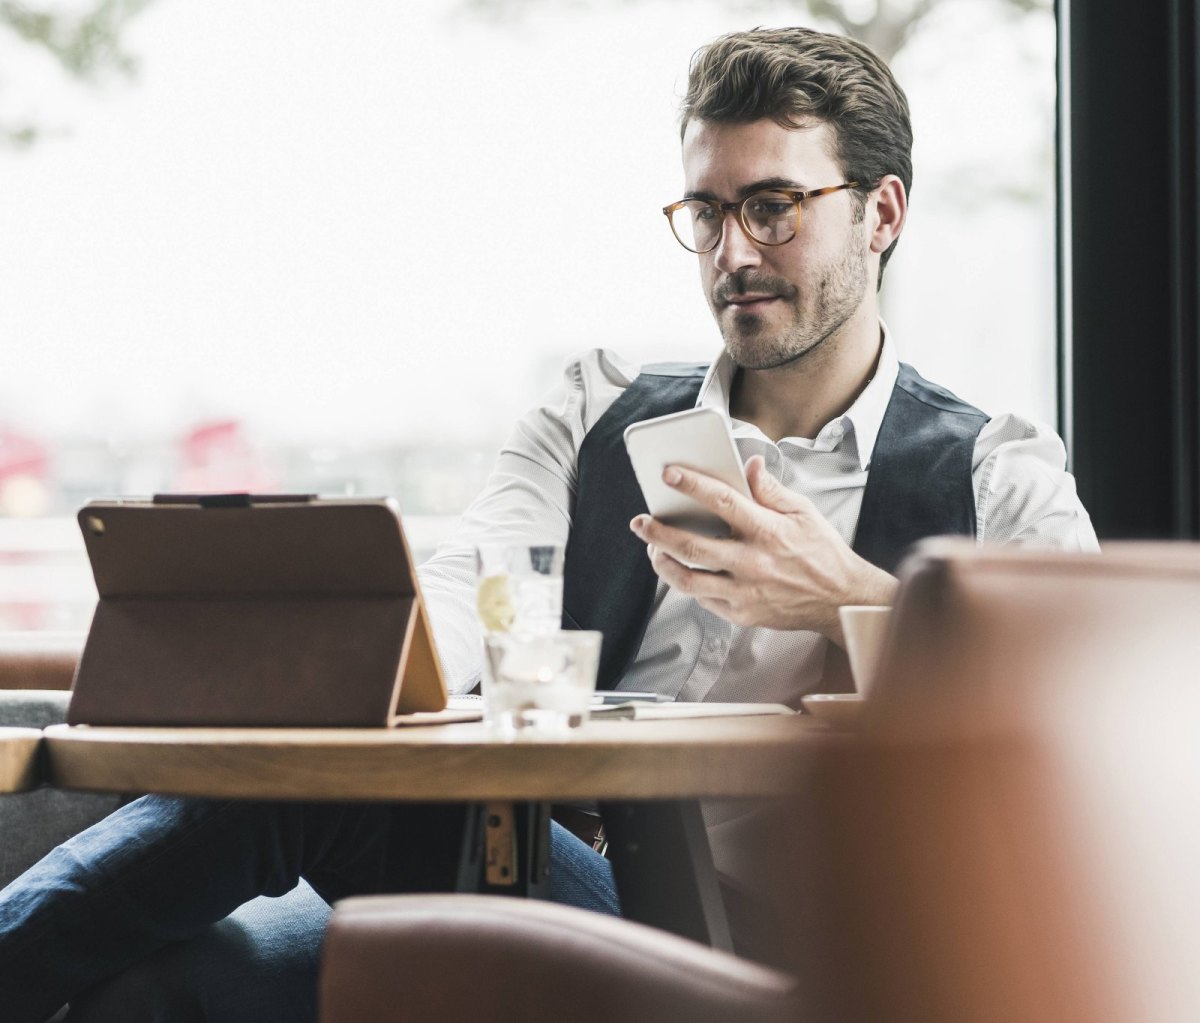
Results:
703 213
770 207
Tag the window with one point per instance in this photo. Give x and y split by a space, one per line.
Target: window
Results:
339 249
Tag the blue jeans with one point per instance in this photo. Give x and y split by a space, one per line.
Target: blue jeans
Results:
162 870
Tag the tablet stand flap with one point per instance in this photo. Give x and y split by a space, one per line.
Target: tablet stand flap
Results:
421 687
261 662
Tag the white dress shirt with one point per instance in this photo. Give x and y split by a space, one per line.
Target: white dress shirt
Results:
1023 494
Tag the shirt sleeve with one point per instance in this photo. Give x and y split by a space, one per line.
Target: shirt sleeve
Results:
1023 492
527 499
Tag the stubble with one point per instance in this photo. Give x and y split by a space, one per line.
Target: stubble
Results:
816 317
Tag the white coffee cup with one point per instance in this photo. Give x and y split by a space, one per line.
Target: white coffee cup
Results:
865 629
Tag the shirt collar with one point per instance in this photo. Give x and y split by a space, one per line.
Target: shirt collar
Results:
865 416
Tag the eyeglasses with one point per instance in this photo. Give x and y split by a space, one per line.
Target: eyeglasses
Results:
770 217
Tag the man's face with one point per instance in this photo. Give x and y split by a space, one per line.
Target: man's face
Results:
774 304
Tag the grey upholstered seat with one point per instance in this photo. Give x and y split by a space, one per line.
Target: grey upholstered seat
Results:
33 823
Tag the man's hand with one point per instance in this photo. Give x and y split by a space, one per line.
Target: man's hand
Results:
784 567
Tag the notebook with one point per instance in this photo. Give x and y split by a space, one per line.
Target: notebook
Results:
240 610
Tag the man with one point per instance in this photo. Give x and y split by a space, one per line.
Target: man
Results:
797 172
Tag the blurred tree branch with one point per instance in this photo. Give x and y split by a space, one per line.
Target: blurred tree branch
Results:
85 45
886 30
884 25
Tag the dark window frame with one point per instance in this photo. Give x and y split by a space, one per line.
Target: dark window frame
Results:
1128 282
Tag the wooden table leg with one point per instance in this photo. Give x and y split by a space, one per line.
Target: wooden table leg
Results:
506 850
664 869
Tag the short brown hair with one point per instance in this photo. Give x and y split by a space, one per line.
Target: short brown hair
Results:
798 75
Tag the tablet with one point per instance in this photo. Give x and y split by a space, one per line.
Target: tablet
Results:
246 610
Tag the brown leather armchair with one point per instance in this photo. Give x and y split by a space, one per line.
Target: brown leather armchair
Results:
458 957
1011 834
1022 808
39 661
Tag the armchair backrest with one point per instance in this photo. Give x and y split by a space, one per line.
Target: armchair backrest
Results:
1015 832
33 660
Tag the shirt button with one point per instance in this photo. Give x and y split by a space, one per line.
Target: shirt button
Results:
836 430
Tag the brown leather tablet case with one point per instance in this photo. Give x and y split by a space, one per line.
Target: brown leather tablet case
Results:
248 611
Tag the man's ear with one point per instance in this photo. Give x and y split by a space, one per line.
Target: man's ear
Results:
887 209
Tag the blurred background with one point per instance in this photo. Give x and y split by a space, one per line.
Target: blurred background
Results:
233 257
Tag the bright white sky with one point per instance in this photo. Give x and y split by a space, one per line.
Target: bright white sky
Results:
267 222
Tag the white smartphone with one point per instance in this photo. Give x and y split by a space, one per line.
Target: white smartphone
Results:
699 439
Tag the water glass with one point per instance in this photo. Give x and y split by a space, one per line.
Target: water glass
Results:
539 684
520 587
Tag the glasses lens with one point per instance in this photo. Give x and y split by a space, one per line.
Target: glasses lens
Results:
771 217
696 224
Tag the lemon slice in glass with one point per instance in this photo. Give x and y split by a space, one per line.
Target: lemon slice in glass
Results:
495 604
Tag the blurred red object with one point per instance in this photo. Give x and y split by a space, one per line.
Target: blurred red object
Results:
217 455
22 455
24 468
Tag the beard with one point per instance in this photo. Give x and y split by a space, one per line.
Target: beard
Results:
815 315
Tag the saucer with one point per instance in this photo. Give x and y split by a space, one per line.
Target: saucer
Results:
842 708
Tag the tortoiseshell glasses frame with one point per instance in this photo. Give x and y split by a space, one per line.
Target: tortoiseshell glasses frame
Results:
773 217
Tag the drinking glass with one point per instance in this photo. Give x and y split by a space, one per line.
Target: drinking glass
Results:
520 587
539 684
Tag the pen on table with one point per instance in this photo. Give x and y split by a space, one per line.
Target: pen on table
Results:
471 700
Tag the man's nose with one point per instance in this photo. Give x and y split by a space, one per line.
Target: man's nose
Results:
736 249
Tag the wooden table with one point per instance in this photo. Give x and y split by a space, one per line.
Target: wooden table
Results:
19 748
647 775
726 757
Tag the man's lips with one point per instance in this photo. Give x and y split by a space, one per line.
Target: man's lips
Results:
750 300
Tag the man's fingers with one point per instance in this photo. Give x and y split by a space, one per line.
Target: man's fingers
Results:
685 547
767 490
738 510
712 591
704 586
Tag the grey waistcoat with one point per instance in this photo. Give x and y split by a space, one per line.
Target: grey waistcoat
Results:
919 485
